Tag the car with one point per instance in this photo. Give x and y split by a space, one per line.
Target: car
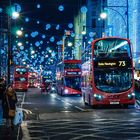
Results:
42 87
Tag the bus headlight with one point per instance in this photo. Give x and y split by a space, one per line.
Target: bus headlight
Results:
131 95
53 88
98 97
66 91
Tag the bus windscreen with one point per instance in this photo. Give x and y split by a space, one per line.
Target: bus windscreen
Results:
111 48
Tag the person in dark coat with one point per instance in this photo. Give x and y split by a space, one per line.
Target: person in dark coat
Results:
2 87
2 90
9 102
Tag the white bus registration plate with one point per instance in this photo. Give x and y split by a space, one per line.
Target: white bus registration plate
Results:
114 103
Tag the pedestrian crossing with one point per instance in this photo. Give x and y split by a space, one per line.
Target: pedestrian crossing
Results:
81 129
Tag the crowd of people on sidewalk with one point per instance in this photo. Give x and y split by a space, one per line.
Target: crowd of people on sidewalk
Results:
8 100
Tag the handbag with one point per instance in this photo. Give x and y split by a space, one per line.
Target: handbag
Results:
11 112
18 116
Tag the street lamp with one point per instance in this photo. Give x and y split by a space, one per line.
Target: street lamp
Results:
19 44
15 15
19 32
9 60
103 15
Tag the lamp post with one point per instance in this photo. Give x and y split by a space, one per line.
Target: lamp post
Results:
103 15
9 48
15 15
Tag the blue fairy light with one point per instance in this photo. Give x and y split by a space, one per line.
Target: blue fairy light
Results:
21 47
38 6
57 27
52 39
91 34
16 7
27 19
61 8
35 55
43 36
48 49
1 10
38 22
84 9
72 34
70 25
2 51
34 34
41 42
26 35
53 54
18 55
37 43
48 26
59 42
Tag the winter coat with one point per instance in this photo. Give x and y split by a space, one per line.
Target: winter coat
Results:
12 99
2 90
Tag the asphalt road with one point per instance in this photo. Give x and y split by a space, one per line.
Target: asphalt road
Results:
54 117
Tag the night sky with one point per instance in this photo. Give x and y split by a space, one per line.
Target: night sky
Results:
43 23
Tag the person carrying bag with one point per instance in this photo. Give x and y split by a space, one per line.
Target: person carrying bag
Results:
9 106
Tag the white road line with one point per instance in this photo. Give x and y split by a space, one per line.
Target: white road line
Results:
26 135
21 108
79 108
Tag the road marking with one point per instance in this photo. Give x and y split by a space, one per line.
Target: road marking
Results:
26 135
79 108
23 124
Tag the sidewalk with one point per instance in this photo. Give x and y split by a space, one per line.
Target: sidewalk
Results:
15 134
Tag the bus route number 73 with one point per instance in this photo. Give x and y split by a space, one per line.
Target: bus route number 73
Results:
122 63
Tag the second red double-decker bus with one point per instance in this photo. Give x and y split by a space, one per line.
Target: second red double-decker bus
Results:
20 82
68 77
33 79
107 72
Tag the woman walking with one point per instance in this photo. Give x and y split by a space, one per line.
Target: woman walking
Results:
9 106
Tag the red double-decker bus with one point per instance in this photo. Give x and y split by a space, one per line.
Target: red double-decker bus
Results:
68 77
20 82
33 79
107 72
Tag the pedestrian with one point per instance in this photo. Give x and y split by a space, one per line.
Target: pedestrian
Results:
9 107
2 90
2 87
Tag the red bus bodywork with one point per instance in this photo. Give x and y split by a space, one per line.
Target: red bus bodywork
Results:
68 76
105 80
20 82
